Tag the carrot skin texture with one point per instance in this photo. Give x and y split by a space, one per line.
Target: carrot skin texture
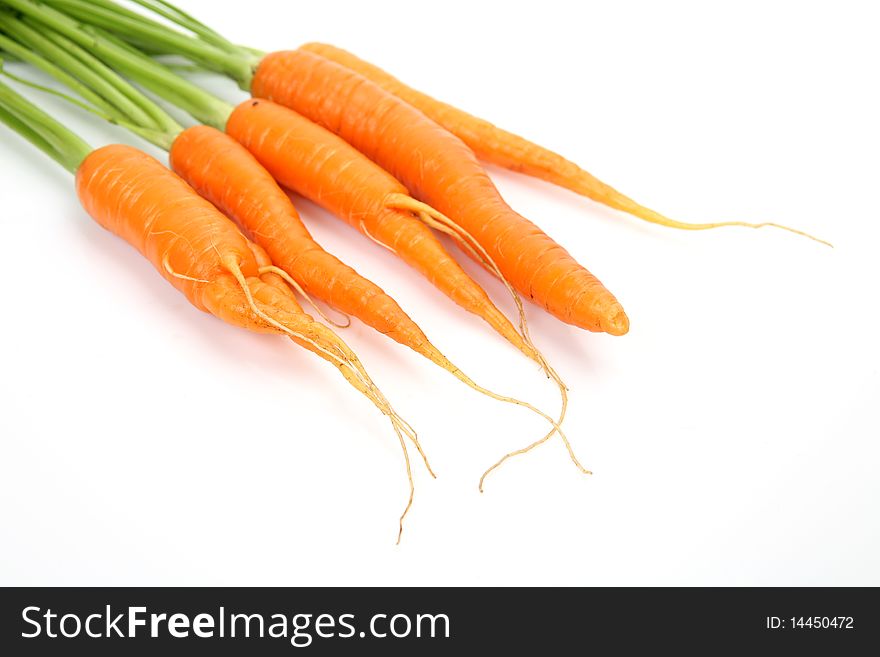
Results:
225 173
324 168
135 197
489 142
506 149
438 168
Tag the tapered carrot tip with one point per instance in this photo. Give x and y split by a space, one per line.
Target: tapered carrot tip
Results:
615 322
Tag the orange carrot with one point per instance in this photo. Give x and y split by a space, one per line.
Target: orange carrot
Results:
313 156
505 149
203 255
322 167
194 247
441 170
223 171
325 169
488 142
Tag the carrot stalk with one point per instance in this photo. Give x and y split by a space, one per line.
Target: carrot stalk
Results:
205 107
42 130
109 95
139 29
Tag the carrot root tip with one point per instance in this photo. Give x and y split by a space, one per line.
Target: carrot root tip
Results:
345 360
616 322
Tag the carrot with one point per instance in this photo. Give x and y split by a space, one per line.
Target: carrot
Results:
489 142
434 165
194 247
408 238
304 157
229 176
290 147
442 171
204 256
325 169
418 246
361 190
225 173
505 149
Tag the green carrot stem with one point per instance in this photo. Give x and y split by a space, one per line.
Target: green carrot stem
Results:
25 55
51 51
155 117
42 130
143 70
237 64
25 131
129 108
178 91
161 139
181 18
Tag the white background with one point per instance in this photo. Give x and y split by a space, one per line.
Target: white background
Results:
733 433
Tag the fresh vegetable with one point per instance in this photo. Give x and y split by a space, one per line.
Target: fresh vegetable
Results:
194 247
224 172
434 165
441 170
511 151
321 166
308 171
325 169
374 202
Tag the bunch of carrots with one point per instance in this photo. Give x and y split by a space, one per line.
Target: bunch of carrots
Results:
397 165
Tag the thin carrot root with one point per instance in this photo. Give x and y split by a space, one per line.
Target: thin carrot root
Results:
412 489
401 428
556 424
588 185
625 204
529 448
350 366
166 265
373 239
438 221
296 286
563 392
